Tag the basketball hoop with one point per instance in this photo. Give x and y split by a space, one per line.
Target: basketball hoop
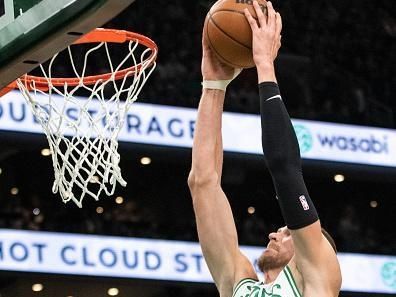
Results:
84 146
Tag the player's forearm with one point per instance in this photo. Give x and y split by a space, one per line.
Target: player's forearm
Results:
280 145
207 153
281 150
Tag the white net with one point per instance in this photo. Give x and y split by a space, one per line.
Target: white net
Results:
83 132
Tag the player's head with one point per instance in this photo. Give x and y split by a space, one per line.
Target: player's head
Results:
280 249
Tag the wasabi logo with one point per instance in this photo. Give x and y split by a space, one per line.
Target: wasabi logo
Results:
370 144
388 274
304 137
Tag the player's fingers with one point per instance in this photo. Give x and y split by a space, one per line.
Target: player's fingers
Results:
278 29
260 15
271 15
250 19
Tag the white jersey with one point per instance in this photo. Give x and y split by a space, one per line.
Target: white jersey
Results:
283 286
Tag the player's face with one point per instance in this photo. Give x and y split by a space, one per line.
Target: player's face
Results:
279 251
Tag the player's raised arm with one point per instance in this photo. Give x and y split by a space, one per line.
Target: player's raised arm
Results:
215 222
313 255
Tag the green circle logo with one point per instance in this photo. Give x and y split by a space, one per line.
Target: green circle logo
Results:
388 274
304 138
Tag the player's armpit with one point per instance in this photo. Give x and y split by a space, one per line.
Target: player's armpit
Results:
218 236
315 258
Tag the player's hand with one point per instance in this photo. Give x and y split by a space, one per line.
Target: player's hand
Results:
266 34
212 68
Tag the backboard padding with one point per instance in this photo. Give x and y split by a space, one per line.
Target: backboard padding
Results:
20 53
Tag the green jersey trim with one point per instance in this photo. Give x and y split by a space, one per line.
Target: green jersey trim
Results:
242 282
292 282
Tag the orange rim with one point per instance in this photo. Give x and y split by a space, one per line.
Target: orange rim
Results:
96 36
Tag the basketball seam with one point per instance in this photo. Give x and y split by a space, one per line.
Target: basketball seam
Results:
213 48
225 33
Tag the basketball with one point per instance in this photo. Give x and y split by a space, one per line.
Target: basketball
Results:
228 31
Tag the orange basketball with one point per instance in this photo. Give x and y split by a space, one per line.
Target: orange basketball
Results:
229 33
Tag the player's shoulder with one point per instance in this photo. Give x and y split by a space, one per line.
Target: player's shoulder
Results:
244 274
244 269
292 270
311 279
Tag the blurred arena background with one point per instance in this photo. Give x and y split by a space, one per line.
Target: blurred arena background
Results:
336 65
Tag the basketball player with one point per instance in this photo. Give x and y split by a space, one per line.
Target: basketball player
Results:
299 259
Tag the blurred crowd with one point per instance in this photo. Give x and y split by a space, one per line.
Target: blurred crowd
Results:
335 64
336 61
157 204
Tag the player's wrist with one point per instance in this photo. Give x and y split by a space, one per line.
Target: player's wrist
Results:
266 72
266 64
214 93
220 84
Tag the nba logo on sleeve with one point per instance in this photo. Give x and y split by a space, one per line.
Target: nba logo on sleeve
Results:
304 202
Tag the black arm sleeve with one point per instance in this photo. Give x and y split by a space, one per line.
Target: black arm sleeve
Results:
282 155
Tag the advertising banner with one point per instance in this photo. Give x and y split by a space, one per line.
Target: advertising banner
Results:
63 253
174 126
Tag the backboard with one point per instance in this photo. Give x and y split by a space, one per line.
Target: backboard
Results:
31 31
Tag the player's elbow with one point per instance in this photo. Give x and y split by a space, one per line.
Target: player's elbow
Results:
201 179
